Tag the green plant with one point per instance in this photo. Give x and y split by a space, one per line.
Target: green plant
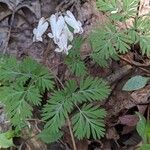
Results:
110 40
87 120
143 129
6 140
22 86
24 82
74 61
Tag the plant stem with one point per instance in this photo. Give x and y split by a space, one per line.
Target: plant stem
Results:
71 134
68 120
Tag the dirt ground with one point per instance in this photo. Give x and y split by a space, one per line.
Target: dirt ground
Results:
18 18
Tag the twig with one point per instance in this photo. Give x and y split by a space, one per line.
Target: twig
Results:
38 120
132 62
29 138
139 65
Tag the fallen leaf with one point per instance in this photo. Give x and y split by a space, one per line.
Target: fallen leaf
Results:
135 83
129 120
141 96
4 12
112 134
142 108
15 5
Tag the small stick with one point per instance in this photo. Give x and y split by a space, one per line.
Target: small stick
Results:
134 62
137 64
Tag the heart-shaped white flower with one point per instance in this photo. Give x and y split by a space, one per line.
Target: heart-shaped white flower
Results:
63 41
71 21
57 25
40 30
68 33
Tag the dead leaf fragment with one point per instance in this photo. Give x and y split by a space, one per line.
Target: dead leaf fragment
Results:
15 5
3 37
129 120
141 96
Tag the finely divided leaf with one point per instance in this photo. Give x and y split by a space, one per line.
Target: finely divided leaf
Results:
9 69
48 136
89 122
107 43
17 108
63 102
106 6
74 61
124 9
23 82
56 111
91 89
5 141
44 80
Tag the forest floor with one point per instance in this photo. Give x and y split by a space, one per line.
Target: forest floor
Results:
16 38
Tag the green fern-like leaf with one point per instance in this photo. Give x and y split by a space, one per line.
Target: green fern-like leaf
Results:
22 83
143 31
106 6
64 101
140 34
108 43
100 60
49 136
77 67
91 89
73 60
144 45
56 111
119 9
33 95
38 73
17 108
130 8
89 121
9 69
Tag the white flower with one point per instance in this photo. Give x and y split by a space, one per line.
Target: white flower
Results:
63 41
57 25
71 21
115 11
61 34
39 31
68 33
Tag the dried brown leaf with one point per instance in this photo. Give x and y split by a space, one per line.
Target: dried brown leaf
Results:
141 96
15 5
129 120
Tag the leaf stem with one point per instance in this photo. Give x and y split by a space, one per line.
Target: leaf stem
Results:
71 134
68 120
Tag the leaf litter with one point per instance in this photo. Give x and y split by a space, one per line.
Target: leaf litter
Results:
16 38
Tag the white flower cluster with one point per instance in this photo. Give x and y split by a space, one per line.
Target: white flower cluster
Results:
61 34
